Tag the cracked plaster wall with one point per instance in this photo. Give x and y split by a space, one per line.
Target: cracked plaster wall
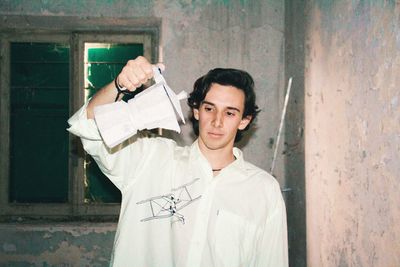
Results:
352 117
56 244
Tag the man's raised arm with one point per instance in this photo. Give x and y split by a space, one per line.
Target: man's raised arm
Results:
135 73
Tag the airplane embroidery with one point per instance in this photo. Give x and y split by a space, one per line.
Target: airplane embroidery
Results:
166 206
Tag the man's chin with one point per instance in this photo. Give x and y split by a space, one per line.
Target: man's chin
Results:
214 144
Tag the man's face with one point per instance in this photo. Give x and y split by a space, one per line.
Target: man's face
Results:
220 116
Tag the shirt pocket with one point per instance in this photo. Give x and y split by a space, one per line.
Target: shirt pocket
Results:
235 240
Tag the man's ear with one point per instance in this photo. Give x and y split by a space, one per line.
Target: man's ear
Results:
196 113
244 122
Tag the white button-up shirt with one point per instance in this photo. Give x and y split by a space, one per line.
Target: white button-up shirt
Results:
174 212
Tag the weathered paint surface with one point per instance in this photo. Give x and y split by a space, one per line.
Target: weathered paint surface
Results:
196 36
295 28
72 244
353 133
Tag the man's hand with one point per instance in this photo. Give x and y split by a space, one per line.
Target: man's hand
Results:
133 75
136 72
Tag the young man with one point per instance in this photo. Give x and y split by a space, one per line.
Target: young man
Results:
200 205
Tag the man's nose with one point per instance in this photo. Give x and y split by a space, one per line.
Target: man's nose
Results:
218 120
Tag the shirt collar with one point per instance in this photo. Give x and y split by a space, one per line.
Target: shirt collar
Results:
239 162
197 157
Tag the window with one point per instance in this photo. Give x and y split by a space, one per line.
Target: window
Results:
39 106
45 77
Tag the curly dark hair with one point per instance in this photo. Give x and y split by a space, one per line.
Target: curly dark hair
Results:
228 77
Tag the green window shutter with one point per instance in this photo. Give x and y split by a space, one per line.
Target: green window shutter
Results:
39 110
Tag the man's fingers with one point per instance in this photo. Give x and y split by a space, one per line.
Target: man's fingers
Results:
139 75
123 81
130 77
148 71
143 69
137 72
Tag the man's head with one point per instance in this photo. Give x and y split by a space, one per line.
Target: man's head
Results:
222 78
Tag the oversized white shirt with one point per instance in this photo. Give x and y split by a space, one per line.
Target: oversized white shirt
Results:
174 212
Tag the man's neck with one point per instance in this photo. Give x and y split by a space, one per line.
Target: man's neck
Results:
218 158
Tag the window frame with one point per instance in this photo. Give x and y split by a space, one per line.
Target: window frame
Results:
76 34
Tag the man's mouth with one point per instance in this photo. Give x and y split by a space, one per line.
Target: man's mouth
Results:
215 135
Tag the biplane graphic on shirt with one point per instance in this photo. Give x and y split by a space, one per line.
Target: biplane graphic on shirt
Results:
168 205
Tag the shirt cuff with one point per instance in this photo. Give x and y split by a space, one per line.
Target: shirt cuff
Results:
83 127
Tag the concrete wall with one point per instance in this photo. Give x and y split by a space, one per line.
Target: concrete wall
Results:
295 28
195 36
352 115
56 244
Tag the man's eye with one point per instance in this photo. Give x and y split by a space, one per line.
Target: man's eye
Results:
207 108
230 113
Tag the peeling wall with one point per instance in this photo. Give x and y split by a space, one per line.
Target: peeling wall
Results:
352 117
56 244
195 37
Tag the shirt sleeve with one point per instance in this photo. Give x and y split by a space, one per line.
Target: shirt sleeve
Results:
273 249
119 164
83 127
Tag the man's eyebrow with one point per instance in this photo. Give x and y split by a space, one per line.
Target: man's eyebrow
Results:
212 104
208 103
